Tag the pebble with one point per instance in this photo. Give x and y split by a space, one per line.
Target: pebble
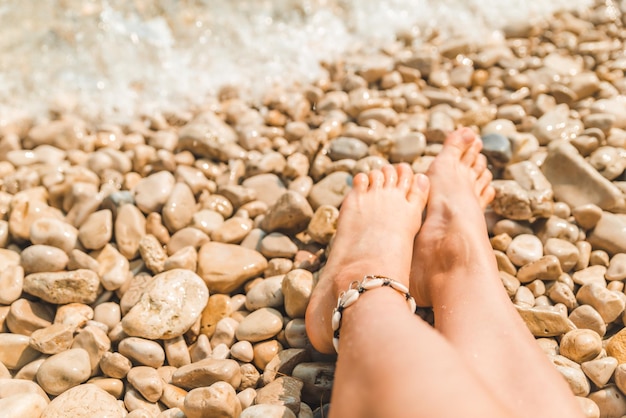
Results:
610 401
235 265
11 387
186 237
563 162
52 339
133 401
283 363
268 187
207 220
323 224
290 214
11 284
547 267
115 365
108 313
129 228
218 307
233 230
580 345
295 333
173 396
544 322
179 208
169 306
566 252
264 352
600 371
297 286
524 248
25 405
574 376
497 149
63 371
285 391
617 268
594 274
54 232
242 351
277 245
73 314
330 190
266 293
609 304
152 192
82 286
176 351
616 346
113 268
142 351
224 333
95 341
207 372
26 316
219 399
260 325
267 411
146 381
97 230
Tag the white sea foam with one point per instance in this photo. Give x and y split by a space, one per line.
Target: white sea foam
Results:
118 58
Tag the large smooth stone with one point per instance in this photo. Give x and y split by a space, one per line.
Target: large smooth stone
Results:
331 190
290 214
152 192
27 405
169 306
260 325
575 181
63 287
543 322
206 372
84 401
225 267
609 233
63 371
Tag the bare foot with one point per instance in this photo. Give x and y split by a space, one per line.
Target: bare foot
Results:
376 228
460 191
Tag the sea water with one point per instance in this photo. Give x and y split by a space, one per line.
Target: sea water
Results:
116 59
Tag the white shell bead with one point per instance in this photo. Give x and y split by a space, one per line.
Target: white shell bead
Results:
336 321
399 287
349 297
336 344
372 283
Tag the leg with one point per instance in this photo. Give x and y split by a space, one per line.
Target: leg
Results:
461 282
390 362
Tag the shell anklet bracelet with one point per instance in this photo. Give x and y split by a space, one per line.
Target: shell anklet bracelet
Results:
350 296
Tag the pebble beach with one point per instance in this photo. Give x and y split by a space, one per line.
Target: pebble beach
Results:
162 267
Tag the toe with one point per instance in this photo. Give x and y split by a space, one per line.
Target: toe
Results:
487 196
376 179
480 164
458 142
391 176
419 190
405 176
360 182
472 153
484 179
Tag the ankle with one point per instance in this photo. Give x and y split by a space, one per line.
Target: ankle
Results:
349 274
